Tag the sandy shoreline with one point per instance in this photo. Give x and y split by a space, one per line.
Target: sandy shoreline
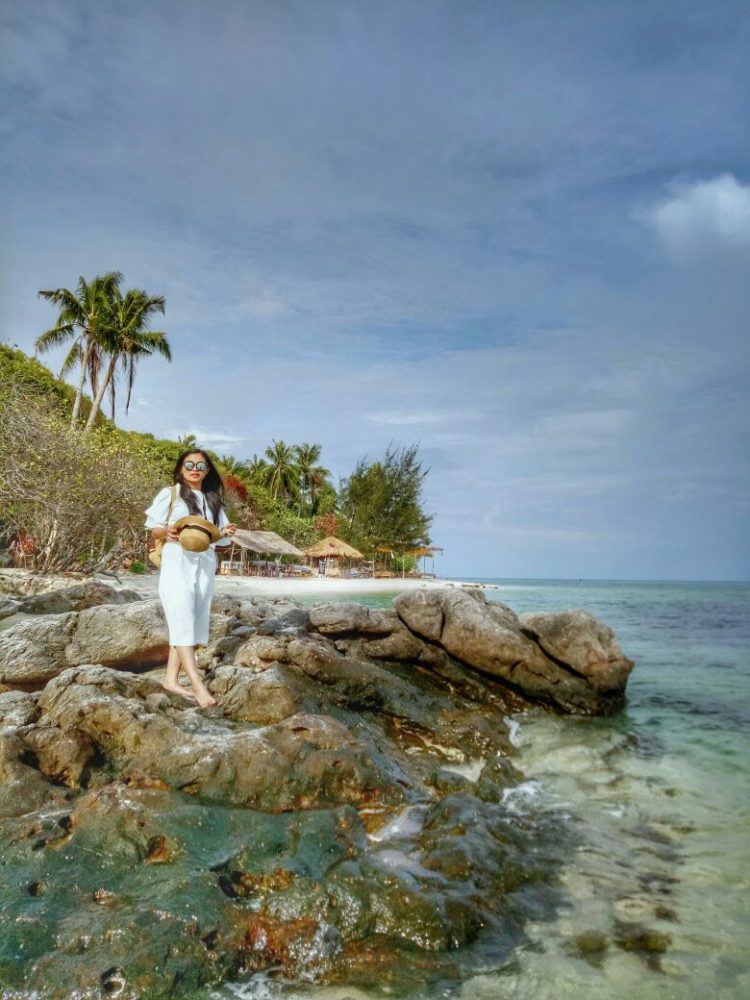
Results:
273 587
250 586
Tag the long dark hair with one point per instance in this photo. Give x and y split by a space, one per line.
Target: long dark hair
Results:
212 486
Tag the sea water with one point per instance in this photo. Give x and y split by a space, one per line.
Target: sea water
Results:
647 812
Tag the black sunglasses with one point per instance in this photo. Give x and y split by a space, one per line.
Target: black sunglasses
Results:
200 466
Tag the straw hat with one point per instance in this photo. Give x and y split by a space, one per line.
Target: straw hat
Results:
196 533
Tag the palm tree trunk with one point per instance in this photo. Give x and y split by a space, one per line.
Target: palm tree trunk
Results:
95 406
79 391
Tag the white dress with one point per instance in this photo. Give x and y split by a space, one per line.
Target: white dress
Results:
186 579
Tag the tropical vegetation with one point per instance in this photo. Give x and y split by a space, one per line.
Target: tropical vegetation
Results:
106 326
73 486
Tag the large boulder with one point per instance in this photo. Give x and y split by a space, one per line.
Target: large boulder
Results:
131 636
569 661
89 594
127 636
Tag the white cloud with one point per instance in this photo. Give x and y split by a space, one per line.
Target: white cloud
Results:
704 215
406 418
211 439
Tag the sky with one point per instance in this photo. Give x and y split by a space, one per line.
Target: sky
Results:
514 232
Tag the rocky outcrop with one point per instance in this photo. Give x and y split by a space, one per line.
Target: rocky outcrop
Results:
569 661
33 594
342 811
132 636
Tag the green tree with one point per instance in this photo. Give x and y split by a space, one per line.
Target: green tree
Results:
232 466
188 442
84 316
281 475
381 502
313 478
254 468
125 337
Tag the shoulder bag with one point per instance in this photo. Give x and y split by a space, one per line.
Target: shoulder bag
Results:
154 556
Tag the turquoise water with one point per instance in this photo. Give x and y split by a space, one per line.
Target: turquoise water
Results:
650 812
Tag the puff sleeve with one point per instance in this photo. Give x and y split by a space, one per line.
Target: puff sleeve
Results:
156 514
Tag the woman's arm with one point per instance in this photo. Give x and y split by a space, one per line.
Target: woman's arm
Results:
166 532
156 517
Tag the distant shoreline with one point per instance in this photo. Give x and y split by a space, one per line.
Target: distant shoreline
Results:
147 585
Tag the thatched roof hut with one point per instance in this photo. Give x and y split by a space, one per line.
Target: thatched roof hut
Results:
332 547
265 543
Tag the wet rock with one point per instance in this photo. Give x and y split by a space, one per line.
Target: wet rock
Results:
342 811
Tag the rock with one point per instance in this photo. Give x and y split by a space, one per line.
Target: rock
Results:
260 650
129 724
33 651
265 698
291 622
134 635
587 674
422 613
77 598
342 811
342 619
8 606
584 644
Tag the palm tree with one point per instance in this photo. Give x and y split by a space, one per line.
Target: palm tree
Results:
189 441
83 317
231 464
255 467
127 338
312 477
281 474
131 317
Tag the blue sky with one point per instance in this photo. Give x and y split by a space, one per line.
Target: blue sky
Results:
515 232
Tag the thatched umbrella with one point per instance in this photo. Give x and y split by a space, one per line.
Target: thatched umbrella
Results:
424 552
332 548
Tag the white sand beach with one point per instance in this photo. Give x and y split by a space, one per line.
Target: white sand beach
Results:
23 581
318 587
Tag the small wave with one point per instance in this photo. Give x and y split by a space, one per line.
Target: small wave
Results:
523 798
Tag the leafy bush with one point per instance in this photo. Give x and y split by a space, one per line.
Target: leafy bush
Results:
77 499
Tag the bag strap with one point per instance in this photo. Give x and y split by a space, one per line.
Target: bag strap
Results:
171 502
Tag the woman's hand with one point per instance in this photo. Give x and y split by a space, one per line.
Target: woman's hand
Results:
229 529
172 534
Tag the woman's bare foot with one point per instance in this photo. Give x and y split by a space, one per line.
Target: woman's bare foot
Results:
203 696
179 689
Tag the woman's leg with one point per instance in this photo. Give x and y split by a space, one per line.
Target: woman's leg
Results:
170 682
202 695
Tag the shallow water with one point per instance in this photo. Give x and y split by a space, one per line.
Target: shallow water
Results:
645 817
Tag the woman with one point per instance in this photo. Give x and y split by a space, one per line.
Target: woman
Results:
186 580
